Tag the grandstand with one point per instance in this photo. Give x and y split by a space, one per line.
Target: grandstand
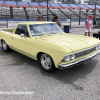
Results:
82 6
90 6
17 15
65 6
44 5
11 4
34 4
55 5
23 4
97 6
32 13
73 6
32 10
1 3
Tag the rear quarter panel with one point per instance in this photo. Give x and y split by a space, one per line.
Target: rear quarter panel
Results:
7 36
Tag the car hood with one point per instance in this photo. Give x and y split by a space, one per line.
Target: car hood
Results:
74 42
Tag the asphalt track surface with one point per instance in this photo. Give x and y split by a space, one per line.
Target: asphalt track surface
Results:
19 73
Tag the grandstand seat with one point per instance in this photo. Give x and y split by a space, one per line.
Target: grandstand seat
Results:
65 6
1 3
97 7
74 6
34 4
58 13
83 6
10 4
18 13
44 5
90 6
55 5
23 4
33 13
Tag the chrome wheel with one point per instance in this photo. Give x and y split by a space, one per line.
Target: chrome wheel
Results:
4 45
46 61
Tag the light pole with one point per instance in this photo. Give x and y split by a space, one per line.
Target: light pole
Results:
47 11
94 15
79 15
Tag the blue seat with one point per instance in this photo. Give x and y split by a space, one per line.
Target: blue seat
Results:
82 6
44 5
10 4
34 4
55 5
1 3
65 6
90 6
74 6
23 4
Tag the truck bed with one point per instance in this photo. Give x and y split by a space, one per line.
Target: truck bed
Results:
8 30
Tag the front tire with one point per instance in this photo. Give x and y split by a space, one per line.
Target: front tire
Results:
5 46
47 63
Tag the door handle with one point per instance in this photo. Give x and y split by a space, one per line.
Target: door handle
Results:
12 37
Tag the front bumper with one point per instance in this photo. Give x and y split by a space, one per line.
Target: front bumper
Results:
78 62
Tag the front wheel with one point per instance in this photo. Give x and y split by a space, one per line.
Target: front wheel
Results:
47 63
5 46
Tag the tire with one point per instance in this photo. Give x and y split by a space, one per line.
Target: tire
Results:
46 63
5 46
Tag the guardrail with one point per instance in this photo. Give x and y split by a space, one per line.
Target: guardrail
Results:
5 19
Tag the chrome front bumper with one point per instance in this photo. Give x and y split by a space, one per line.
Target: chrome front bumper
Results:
78 62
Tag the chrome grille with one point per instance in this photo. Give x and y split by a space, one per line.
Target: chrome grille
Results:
85 52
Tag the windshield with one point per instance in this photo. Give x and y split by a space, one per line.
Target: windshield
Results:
44 29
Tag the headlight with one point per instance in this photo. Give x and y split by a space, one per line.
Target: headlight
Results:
72 57
67 58
97 47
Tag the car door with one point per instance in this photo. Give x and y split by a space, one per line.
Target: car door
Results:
21 40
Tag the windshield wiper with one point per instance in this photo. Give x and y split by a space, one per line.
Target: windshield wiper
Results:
53 33
40 35
56 33
61 33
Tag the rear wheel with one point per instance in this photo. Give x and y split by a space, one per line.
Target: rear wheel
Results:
47 63
5 46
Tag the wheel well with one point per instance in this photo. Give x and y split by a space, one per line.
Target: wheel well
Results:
1 40
39 55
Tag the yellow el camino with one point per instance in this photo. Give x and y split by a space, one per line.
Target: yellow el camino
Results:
47 43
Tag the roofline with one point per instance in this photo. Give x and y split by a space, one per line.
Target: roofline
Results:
36 22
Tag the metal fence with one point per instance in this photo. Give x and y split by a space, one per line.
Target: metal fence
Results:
4 20
79 19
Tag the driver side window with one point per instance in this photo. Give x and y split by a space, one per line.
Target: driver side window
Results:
21 29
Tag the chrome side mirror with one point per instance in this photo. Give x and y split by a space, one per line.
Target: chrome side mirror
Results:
22 35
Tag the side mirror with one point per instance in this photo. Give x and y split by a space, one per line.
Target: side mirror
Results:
22 35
